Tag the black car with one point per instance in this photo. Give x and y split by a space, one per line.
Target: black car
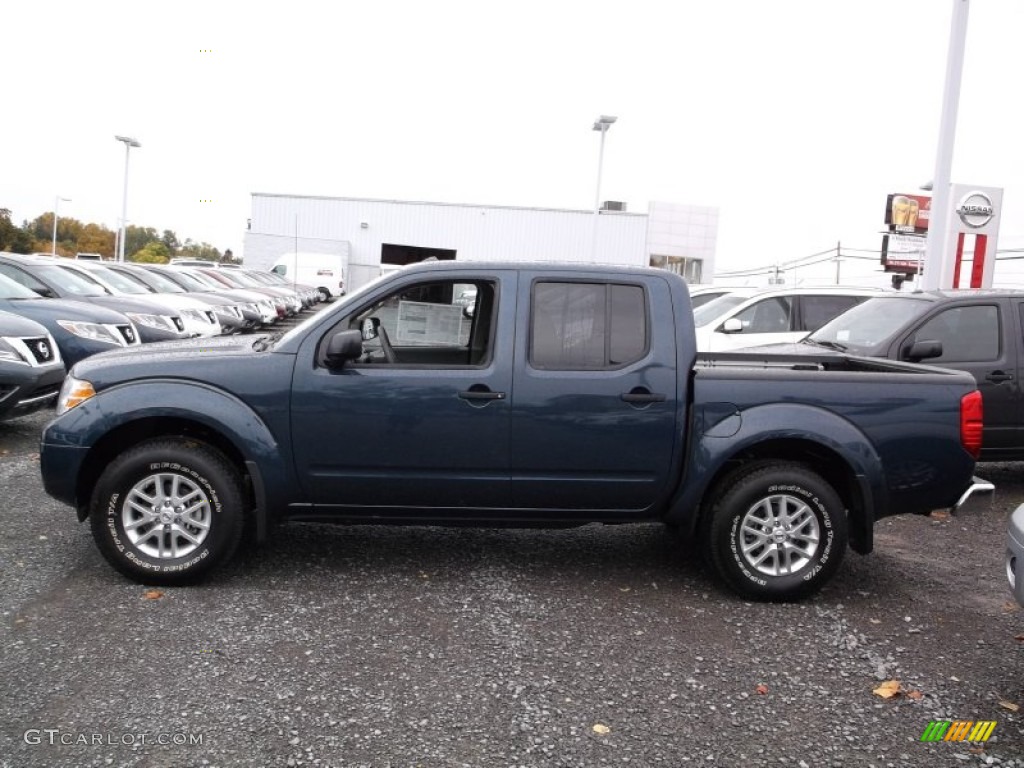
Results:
79 329
48 277
31 369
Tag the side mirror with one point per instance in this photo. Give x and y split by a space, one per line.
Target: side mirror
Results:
468 310
344 346
732 325
922 350
370 328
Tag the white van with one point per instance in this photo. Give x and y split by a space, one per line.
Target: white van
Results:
323 271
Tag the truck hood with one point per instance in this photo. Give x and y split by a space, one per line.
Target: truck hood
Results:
186 358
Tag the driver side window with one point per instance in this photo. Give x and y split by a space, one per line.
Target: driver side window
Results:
433 323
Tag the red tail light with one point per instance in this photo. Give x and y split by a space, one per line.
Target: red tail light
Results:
971 423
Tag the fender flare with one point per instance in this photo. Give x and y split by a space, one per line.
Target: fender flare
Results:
87 424
737 432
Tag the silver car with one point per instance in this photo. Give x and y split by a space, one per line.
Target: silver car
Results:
1015 553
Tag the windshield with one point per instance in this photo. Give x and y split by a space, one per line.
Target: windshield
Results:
238 279
12 290
69 282
196 282
708 313
158 283
118 281
861 329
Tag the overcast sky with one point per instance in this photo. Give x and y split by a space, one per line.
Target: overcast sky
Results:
794 117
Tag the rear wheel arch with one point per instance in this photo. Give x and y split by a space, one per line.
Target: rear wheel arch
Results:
822 460
774 530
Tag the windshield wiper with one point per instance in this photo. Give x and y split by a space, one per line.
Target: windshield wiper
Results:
827 344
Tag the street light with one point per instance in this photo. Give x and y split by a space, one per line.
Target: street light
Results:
128 144
56 208
602 124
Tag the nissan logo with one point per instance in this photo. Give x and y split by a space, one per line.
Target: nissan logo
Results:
44 350
975 209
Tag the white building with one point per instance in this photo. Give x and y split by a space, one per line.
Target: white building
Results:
369 233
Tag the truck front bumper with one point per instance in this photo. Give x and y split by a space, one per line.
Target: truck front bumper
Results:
1015 554
60 465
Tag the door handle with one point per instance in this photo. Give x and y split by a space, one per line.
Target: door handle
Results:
997 376
481 394
642 397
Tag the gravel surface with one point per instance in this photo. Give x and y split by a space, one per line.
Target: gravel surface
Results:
595 646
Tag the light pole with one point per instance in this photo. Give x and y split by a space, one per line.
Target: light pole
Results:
56 208
939 270
128 144
602 124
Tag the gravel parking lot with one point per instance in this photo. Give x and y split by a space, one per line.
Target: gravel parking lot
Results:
596 646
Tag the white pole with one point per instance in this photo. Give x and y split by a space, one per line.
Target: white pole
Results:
124 205
56 208
597 195
936 268
128 144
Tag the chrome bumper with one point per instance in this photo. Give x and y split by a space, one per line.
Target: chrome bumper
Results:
977 486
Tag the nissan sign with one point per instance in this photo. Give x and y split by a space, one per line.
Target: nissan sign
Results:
975 209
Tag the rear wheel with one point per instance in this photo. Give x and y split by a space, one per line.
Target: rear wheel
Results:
777 531
167 511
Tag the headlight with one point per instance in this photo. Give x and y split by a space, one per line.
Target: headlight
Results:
92 331
9 353
160 322
73 392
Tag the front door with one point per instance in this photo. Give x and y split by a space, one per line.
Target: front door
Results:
421 422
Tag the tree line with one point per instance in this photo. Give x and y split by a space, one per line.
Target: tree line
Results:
143 244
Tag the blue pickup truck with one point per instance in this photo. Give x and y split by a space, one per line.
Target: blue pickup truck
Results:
560 395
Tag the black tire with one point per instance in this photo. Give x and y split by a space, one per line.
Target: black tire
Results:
151 540
787 561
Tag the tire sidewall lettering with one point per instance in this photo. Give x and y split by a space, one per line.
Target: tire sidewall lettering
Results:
819 558
114 523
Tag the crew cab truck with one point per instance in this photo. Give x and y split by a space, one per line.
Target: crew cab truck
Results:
563 395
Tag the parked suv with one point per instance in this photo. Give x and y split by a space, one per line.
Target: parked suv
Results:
199 318
31 369
749 316
79 329
47 277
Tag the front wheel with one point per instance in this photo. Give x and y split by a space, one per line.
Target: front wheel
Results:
776 532
167 511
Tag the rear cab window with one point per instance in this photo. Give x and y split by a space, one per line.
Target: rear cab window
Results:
587 326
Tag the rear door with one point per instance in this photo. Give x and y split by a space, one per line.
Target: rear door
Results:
594 392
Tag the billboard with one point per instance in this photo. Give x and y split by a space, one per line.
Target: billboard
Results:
902 253
908 214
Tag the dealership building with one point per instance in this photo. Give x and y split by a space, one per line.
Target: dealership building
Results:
371 234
